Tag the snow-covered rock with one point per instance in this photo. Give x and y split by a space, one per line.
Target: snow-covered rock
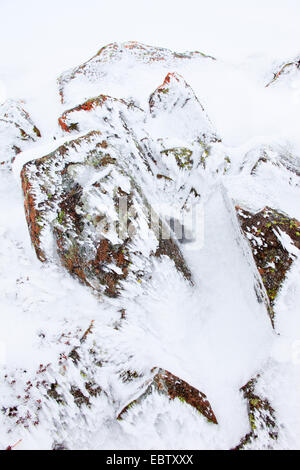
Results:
275 242
119 62
177 111
165 383
17 131
285 72
98 215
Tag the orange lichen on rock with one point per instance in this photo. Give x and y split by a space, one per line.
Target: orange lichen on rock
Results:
167 80
63 125
262 417
133 45
17 131
88 105
178 388
164 382
32 215
102 251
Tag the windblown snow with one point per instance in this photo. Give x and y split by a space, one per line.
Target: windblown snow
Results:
78 346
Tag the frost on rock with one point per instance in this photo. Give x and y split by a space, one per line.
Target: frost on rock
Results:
150 139
176 103
173 387
113 56
56 393
17 131
76 194
270 156
262 419
102 110
274 239
285 70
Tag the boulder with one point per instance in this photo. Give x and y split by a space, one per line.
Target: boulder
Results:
75 84
175 103
17 131
81 197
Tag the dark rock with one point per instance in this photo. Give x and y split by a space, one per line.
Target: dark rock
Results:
262 418
273 259
173 387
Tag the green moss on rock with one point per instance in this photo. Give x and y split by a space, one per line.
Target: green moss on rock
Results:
182 155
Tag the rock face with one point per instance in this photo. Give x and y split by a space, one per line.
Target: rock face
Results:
262 419
17 131
146 148
98 67
101 110
285 69
257 159
92 202
175 100
76 193
173 387
61 189
275 240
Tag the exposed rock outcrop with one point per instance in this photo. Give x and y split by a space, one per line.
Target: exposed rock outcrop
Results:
76 194
274 239
106 205
17 131
98 67
262 419
285 69
257 159
145 148
174 101
163 382
102 109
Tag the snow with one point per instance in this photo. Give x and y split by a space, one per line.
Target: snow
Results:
214 334
247 34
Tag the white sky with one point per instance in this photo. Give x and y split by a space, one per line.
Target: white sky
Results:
53 35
